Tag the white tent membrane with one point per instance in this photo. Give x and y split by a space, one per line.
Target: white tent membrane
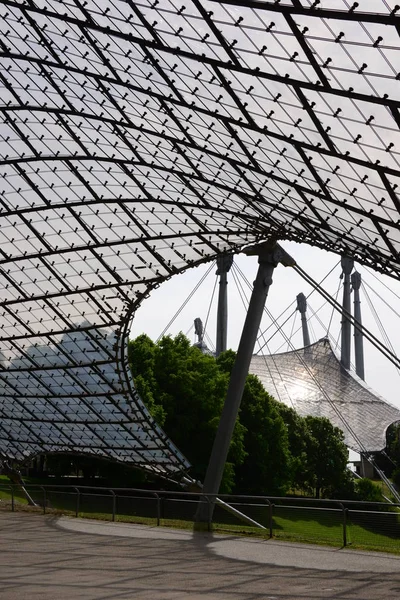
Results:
138 139
312 381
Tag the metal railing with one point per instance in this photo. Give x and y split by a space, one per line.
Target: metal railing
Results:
341 523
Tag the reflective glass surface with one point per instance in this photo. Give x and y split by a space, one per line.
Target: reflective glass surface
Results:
312 381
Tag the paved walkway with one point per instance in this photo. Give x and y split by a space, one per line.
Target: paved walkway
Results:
55 558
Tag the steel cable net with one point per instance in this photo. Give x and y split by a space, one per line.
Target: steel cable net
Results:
140 138
312 381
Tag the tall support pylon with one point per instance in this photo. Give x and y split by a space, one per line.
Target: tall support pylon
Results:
347 267
358 336
367 468
302 308
269 256
224 263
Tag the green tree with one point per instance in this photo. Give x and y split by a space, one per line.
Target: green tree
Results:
396 477
190 389
297 432
393 451
318 455
327 456
367 491
266 468
393 443
272 449
142 356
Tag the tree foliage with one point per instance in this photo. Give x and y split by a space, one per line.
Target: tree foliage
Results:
393 452
266 467
297 433
318 455
327 456
273 449
367 491
393 443
188 388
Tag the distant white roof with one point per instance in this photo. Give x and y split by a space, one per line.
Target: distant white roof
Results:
312 381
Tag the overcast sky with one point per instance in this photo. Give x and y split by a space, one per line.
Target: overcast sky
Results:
156 312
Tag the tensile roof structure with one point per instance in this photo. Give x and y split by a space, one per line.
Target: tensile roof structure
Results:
138 139
313 382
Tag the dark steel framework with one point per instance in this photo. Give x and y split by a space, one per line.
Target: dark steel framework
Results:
141 138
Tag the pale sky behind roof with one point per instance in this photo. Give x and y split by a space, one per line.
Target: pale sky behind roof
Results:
156 312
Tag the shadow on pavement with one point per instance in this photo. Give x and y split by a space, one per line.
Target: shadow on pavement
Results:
49 558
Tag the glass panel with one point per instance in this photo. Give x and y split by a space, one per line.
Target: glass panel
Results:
140 138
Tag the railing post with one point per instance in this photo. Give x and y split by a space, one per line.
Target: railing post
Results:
162 507
114 504
271 520
344 510
44 499
210 512
12 498
78 502
271 517
158 509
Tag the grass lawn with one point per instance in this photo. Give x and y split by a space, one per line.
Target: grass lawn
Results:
5 492
307 525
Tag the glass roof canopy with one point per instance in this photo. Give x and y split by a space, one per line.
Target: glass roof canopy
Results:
140 138
312 381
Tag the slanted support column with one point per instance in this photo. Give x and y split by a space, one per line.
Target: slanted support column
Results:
302 308
269 255
347 267
358 336
224 263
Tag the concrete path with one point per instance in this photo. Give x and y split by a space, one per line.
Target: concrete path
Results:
54 558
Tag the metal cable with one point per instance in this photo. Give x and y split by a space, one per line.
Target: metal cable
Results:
308 296
209 341
382 283
330 337
314 313
189 330
378 321
266 344
273 321
294 321
332 404
368 335
387 304
209 306
333 309
196 287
